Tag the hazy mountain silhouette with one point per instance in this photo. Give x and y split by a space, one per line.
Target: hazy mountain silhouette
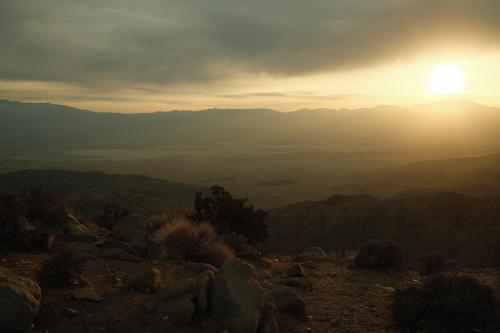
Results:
55 126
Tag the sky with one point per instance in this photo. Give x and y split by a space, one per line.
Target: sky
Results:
151 55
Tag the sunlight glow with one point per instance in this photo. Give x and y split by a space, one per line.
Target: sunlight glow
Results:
446 79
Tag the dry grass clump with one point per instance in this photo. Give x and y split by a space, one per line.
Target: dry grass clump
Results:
184 240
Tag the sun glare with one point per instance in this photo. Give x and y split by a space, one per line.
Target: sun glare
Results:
446 79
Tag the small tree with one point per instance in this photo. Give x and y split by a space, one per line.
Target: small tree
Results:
13 223
379 255
228 214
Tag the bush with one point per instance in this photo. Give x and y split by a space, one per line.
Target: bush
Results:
63 267
445 303
44 207
379 255
228 214
14 227
432 263
193 242
111 215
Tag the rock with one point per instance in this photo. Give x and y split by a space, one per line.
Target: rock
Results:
199 267
178 311
269 323
149 305
334 323
265 275
119 254
311 254
300 282
86 248
85 294
204 292
296 270
316 251
133 230
288 301
147 282
70 312
177 289
118 244
265 263
19 301
237 297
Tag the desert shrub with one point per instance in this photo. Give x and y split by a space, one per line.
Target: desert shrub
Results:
63 267
193 242
44 207
111 215
158 221
379 255
228 214
14 226
445 303
432 263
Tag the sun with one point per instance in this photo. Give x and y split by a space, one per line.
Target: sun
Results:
446 79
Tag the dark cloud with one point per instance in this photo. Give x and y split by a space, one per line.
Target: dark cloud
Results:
114 44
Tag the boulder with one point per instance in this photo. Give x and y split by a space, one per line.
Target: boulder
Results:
112 243
204 290
237 297
85 294
300 282
119 254
19 301
177 289
269 323
199 267
296 270
178 311
133 230
288 300
311 254
148 282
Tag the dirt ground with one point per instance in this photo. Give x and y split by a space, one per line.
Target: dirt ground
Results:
342 299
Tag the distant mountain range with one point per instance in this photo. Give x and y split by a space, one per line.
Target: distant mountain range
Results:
33 125
88 192
466 228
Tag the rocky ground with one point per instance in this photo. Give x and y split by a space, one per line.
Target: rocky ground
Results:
337 297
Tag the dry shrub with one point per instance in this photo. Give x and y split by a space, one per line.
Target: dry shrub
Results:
432 263
182 239
379 255
64 267
446 303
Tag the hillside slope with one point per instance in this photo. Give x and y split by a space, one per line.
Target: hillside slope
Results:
88 192
466 228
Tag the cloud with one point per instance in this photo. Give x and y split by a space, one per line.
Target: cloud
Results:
113 44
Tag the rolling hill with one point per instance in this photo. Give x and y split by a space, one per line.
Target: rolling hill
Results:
465 227
88 192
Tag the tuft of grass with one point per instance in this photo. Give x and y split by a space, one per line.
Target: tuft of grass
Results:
64 267
379 255
184 240
446 303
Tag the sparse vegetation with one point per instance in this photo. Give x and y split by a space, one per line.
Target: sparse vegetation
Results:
64 267
111 215
193 242
14 233
379 255
432 263
230 215
445 303
43 206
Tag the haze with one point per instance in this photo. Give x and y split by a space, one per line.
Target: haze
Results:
126 56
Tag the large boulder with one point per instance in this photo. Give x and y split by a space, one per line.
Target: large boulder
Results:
203 293
288 301
148 282
19 301
237 297
118 244
133 230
